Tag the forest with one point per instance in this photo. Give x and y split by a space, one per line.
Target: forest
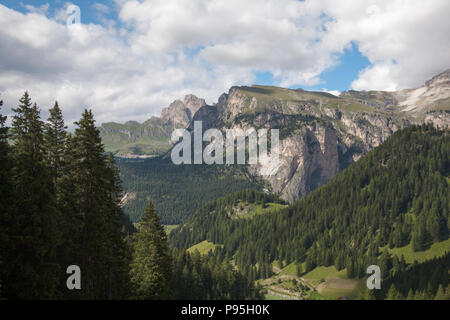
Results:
397 194
60 206
177 191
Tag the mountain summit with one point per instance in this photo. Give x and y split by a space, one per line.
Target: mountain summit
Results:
320 133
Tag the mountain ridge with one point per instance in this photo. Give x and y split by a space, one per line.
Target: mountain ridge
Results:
321 134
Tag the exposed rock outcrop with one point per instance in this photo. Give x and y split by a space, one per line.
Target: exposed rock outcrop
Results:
180 113
320 134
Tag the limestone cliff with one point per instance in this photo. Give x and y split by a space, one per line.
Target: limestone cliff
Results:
320 133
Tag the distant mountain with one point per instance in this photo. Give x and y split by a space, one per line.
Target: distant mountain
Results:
133 139
320 133
180 113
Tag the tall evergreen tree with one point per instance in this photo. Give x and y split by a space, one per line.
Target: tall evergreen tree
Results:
151 265
96 241
33 233
120 254
55 142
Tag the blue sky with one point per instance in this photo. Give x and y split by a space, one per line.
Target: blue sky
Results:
89 15
129 59
338 77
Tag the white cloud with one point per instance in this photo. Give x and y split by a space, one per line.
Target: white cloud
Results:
43 9
406 41
163 49
279 36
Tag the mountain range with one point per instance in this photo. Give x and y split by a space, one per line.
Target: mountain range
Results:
320 133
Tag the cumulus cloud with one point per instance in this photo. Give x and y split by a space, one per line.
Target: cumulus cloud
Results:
278 36
405 41
160 50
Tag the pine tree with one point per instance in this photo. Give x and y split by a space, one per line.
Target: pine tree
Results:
299 269
410 295
440 295
33 233
151 265
92 211
418 237
55 138
55 142
393 293
120 255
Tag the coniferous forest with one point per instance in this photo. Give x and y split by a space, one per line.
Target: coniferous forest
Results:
397 195
60 206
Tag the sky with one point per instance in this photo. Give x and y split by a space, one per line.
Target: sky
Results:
126 60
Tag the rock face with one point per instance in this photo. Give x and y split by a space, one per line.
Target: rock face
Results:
317 140
308 159
180 113
435 92
320 134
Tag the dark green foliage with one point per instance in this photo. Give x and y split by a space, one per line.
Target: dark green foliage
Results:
423 280
198 227
33 234
177 191
94 239
59 207
5 192
55 142
151 266
396 194
209 276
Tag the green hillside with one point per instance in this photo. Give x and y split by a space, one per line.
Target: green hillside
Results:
151 137
203 247
395 197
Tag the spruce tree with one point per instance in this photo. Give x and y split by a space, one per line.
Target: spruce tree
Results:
55 142
393 294
90 192
32 271
151 265
120 254
89 183
440 295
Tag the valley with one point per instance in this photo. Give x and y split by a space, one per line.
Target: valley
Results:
320 246
320 134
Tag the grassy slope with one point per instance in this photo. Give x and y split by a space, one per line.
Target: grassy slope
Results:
250 210
148 137
267 95
436 250
203 247
170 227
331 283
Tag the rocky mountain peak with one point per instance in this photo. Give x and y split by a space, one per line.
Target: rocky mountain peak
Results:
433 95
193 103
442 79
180 113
